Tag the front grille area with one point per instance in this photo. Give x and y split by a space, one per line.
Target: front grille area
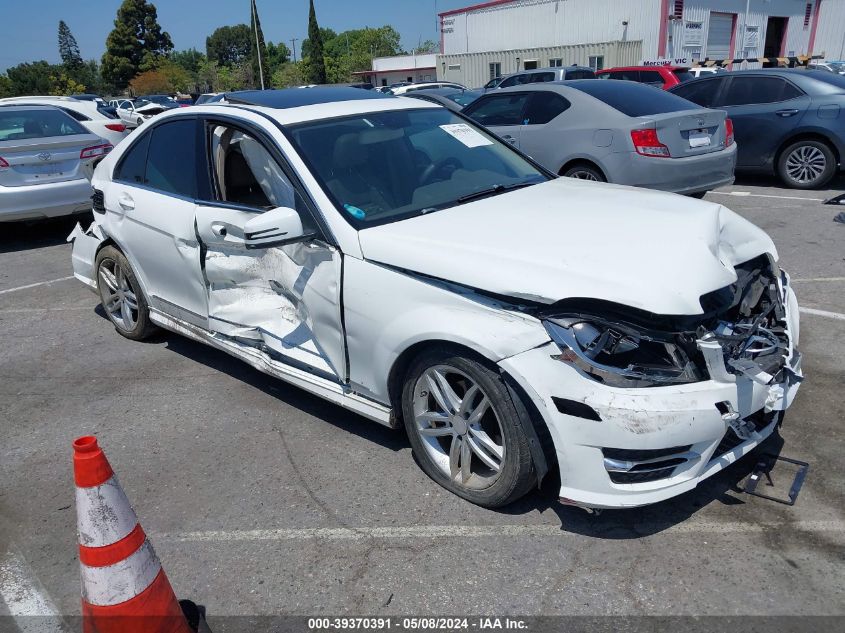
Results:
638 455
731 440
641 478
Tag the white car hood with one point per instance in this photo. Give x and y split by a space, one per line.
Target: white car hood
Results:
568 238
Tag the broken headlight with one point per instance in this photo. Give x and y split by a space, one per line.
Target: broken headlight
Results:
620 356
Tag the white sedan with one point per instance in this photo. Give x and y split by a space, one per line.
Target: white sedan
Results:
395 259
134 112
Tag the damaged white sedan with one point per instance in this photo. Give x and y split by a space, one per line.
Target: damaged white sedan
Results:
392 257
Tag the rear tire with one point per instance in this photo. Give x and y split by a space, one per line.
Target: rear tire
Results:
478 448
584 171
121 296
806 165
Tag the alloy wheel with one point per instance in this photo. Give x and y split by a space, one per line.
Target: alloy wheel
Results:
458 426
119 297
806 164
583 174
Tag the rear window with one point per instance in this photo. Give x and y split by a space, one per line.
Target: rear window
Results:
464 98
23 124
683 75
633 99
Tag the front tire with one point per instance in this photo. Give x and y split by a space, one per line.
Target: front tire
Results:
806 165
121 295
464 428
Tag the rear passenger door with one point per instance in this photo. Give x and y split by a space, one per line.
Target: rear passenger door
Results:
502 114
764 111
542 134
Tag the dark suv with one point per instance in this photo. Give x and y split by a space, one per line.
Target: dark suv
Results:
787 121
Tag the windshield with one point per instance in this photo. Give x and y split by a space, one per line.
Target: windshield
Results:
385 166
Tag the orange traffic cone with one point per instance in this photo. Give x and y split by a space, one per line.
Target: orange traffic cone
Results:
124 588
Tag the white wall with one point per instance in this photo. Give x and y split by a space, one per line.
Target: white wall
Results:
525 24
402 62
830 36
797 35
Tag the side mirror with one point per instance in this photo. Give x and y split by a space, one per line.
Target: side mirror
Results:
276 227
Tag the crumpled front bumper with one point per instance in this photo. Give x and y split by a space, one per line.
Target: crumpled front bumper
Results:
698 419
86 243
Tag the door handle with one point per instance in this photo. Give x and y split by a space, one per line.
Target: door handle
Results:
509 139
786 113
219 230
126 202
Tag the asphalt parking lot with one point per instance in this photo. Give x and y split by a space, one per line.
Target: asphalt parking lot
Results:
261 499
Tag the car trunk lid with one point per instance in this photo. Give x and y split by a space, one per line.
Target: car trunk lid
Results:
43 160
689 132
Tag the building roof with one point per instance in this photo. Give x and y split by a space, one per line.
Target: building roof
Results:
482 5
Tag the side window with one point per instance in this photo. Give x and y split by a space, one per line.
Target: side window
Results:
543 107
701 93
132 166
246 174
758 90
627 75
498 110
651 77
171 159
516 80
537 78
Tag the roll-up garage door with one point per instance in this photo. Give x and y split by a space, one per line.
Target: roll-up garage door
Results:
719 35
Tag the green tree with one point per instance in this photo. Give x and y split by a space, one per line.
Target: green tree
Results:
191 59
32 78
288 74
62 84
277 54
316 61
429 46
136 44
68 48
5 87
258 49
229 45
327 35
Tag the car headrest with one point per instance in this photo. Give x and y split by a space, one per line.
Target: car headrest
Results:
348 152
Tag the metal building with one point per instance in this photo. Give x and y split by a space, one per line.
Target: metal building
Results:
390 70
499 37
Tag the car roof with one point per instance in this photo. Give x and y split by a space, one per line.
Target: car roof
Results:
298 97
27 107
670 68
443 92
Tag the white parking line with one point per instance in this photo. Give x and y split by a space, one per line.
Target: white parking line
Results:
474 531
748 194
24 597
817 279
40 283
823 313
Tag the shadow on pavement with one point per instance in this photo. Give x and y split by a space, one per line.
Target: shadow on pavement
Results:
834 187
22 236
611 524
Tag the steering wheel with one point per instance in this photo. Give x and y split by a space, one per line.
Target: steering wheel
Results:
434 168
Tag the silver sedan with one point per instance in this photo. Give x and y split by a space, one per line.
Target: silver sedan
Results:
614 131
46 163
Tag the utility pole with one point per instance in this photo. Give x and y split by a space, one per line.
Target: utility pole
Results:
293 41
257 42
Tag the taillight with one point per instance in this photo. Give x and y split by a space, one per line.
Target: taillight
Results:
96 150
3 163
729 132
116 127
647 144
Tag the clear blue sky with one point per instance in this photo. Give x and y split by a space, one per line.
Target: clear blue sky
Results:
28 27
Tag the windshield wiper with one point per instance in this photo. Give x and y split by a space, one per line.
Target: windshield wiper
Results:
495 190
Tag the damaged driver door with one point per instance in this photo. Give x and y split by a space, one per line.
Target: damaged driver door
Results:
272 283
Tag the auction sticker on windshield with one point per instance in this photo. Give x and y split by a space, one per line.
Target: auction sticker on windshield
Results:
466 135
